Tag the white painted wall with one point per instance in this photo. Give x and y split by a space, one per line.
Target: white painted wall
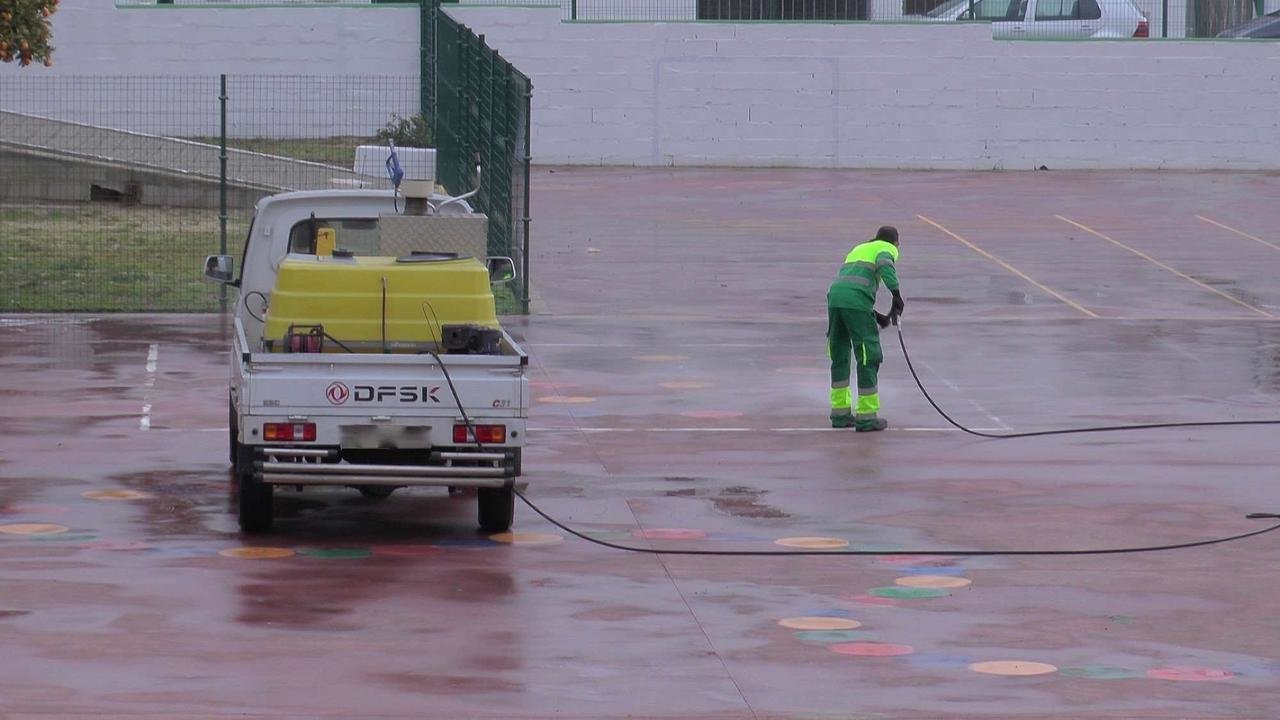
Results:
895 96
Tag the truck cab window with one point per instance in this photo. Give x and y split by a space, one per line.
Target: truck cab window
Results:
360 236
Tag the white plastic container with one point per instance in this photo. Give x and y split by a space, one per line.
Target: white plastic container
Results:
417 163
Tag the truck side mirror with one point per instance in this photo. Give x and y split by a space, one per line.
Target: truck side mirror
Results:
220 268
501 269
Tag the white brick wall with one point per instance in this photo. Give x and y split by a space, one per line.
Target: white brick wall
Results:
897 96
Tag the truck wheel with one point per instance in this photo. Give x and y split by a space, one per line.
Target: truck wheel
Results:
376 492
256 497
497 509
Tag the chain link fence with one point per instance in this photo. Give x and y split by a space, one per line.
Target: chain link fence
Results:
112 190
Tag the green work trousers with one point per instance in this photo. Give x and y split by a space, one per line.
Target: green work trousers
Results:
853 335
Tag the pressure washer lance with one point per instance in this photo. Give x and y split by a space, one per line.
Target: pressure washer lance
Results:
908 551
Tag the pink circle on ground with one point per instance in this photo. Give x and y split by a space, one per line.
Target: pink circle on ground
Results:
875 600
407 550
1189 674
711 414
670 534
33 509
871 649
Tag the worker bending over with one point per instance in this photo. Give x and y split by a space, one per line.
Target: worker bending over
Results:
851 327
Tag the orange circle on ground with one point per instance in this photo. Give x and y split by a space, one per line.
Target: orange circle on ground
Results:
514 538
660 358
567 399
819 623
256 553
1018 668
685 385
933 581
1189 674
115 495
32 529
871 649
812 543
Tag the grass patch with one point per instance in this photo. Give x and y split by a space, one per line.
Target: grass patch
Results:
104 258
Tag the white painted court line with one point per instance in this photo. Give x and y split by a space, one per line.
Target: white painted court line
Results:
153 356
1004 427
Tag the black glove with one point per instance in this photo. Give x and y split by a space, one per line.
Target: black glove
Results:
882 320
898 306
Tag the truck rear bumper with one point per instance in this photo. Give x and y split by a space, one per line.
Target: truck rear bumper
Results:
298 466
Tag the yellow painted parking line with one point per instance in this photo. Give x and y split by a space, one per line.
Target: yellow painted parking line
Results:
1241 233
1159 264
1013 269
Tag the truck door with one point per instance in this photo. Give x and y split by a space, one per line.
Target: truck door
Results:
1015 22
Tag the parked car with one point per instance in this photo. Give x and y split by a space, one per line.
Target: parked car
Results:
1267 26
1055 19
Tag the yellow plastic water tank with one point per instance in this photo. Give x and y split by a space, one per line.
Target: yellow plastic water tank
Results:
345 296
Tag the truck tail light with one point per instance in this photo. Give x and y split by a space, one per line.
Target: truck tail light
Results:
492 434
289 432
1143 30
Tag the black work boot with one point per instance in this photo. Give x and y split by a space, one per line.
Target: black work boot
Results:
872 425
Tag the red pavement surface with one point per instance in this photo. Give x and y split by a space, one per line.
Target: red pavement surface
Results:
684 310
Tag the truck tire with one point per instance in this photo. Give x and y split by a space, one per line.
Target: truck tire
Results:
497 509
257 499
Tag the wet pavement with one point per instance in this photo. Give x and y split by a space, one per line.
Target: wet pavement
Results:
679 378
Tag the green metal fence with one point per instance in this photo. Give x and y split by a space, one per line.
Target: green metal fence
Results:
479 109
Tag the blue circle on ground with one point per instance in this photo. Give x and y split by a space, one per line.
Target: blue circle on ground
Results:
939 660
824 612
184 552
948 571
829 637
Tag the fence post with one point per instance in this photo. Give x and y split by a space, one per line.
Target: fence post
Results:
573 15
1164 18
222 184
426 65
528 132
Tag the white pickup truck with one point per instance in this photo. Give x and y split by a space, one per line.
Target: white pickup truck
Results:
354 367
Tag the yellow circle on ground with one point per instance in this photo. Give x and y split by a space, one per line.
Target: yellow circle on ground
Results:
32 529
256 553
933 581
819 623
566 399
660 358
1013 667
515 538
115 495
812 543
685 385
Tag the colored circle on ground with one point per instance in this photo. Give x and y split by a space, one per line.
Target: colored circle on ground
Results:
256 553
875 600
408 551
1185 673
1012 668
116 495
32 529
1099 672
711 414
871 649
685 385
812 543
467 543
828 637
932 581
660 358
33 509
819 623
566 399
670 534
515 538
336 553
908 593
62 538
950 571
